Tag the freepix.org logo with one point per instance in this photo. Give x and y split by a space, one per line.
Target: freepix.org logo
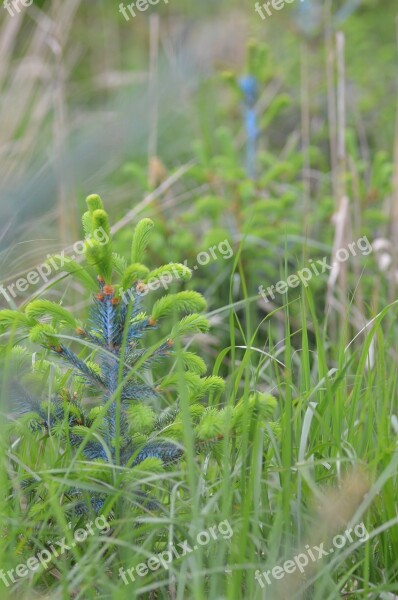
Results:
14 6
317 268
53 550
267 8
139 5
42 273
165 558
302 560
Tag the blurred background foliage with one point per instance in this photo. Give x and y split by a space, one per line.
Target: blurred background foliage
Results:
91 102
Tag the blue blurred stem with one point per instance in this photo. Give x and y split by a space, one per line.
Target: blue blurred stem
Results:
248 85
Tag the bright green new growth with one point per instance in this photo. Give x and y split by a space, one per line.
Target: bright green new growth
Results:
41 308
141 240
184 301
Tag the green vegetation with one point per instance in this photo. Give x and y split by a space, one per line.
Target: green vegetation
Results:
210 439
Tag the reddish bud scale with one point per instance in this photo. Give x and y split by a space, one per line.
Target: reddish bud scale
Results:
141 287
152 322
109 290
170 343
100 297
80 331
115 301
